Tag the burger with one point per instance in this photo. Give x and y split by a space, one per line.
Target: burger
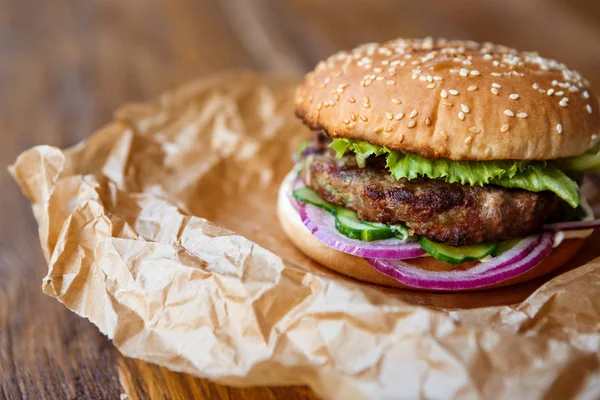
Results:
442 165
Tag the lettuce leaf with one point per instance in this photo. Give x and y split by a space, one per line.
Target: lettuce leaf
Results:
586 162
535 176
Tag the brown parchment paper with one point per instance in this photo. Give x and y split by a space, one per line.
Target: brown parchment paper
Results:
161 230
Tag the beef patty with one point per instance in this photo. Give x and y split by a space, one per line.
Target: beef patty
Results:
450 213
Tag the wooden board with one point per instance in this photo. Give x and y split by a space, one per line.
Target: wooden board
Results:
66 65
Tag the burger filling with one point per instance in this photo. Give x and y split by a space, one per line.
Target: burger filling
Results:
450 213
458 203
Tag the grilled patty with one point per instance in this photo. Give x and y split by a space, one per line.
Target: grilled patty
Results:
450 213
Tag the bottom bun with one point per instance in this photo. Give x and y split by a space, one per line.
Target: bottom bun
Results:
359 268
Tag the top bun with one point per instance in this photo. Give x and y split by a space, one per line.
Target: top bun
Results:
454 99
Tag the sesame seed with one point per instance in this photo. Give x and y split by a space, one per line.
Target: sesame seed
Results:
353 116
389 115
399 116
431 86
509 113
447 103
475 73
377 70
319 106
514 96
346 121
351 100
495 91
522 115
497 85
464 72
504 128
336 97
474 129
444 94
428 121
586 95
344 86
562 104
363 118
389 128
472 88
366 105
379 78
396 101
461 115
453 92
437 78
464 108
536 86
550 92
559 93
412 123
429 78
468 140
413 113
401 138
496 74
379 129
390 82
588 108
559 128
554 82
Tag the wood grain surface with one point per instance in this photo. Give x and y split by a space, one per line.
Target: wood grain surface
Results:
65 65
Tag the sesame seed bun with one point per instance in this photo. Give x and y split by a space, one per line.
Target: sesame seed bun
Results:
453 99
358 268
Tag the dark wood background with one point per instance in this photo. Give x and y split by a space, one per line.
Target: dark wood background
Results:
65 65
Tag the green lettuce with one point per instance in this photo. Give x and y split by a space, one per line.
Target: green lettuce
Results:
586 162
535 176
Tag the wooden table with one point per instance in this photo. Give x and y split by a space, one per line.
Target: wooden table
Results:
65 65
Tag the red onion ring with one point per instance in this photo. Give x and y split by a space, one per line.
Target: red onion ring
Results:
322 225
572 226
504 267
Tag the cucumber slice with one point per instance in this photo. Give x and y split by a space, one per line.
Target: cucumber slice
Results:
347 224
457 255
505 245
307 195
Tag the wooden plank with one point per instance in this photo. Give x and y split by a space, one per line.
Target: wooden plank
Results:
142 380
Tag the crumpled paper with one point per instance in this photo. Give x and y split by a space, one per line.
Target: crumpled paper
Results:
161 229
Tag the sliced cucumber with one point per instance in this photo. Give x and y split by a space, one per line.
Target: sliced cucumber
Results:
347 224
505 245
457 255
307 195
